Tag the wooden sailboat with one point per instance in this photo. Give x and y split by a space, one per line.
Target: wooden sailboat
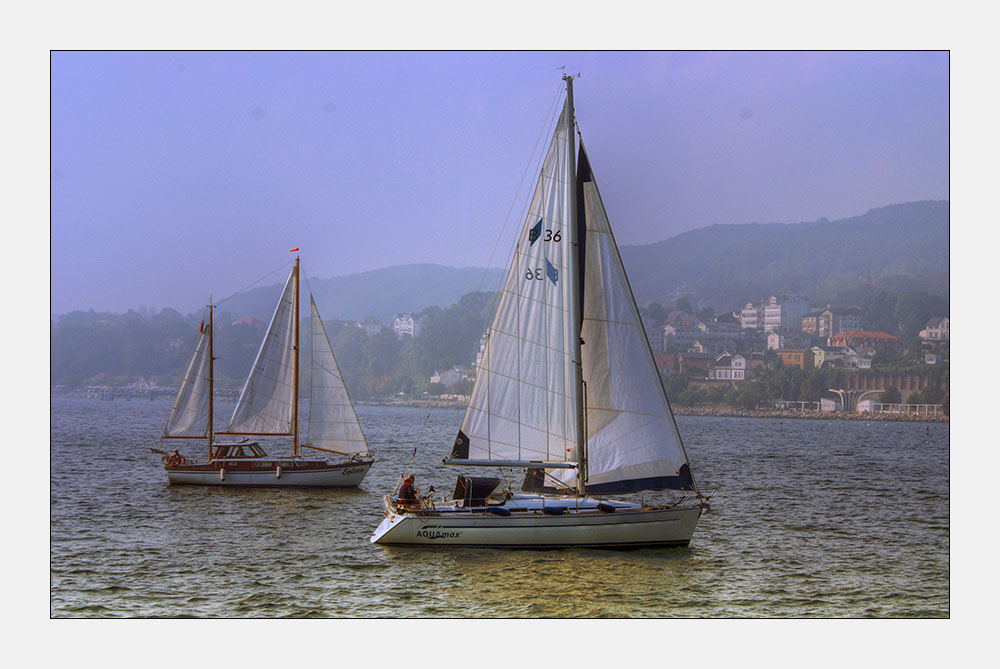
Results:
268 407
567 390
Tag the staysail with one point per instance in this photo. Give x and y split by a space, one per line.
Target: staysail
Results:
523 406
632 440
189 415
333 425
266 402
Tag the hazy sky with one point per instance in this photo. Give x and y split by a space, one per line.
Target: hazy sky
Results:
179 174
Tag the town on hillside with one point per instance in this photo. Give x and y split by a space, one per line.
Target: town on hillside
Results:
777 354
784 353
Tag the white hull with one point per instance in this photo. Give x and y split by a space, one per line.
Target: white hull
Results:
630 526
339 476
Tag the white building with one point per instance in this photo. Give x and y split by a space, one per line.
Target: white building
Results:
728 367
681 336
405 326
448 378
937 329
787 313
781 338
752 316
728 330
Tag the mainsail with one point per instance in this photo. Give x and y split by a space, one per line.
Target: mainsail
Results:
266 402
333 425
523 406
189 415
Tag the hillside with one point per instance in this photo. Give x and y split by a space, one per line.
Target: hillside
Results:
903 247
381 293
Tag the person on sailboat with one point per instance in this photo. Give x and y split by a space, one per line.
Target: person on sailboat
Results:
175 459
407 493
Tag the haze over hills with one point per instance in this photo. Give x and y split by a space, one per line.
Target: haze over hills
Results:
382 293
904 248
900 247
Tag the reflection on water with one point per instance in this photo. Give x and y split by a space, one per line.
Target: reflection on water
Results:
812 518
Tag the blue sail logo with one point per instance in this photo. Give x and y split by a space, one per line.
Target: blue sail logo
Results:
535 233
551 272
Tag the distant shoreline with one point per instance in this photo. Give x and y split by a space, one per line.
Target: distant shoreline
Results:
814 415
721 412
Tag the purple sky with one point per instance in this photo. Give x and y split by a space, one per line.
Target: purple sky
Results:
176 175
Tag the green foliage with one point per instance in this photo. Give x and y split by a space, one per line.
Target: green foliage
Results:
716 394
676 384
88 347
902 314
891 396
655 311
687 397
750 395
932 395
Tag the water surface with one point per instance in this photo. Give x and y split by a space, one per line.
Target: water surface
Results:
813 518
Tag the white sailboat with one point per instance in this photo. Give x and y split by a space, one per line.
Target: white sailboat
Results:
567 390
269 406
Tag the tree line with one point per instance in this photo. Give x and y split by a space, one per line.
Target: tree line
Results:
90 348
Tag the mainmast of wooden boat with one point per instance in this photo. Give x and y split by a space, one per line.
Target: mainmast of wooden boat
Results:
295 365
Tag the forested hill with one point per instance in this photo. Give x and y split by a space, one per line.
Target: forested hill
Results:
902 247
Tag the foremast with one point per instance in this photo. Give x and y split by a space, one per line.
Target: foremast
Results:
211 371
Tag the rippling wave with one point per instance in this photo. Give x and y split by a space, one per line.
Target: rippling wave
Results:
811 519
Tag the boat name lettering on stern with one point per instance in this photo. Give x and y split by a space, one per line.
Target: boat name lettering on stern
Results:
434 534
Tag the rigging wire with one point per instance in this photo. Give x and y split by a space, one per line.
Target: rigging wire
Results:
246 288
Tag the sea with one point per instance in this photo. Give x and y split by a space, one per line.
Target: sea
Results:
809 519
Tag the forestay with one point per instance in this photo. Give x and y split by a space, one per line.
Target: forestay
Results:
265 404
523 406
189 415
333 425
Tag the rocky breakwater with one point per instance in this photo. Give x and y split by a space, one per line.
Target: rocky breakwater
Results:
420 404
820 415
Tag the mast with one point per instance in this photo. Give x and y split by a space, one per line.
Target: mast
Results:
575 310
211 370
295 366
